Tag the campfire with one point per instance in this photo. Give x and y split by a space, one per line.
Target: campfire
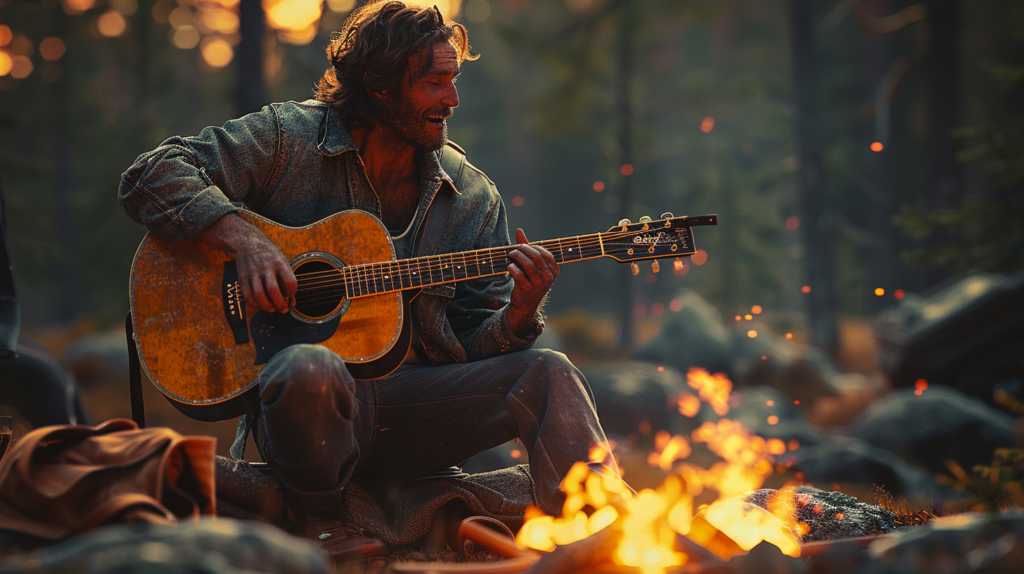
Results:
656 529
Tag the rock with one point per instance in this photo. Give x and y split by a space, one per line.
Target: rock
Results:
98 357
693 337
851 460
750 407
937 425
992 544
828 515
207 545
631 392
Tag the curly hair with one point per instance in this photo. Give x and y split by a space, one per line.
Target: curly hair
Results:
371 54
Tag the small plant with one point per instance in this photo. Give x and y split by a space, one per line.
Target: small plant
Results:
999 486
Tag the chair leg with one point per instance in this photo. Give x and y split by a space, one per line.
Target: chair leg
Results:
135 375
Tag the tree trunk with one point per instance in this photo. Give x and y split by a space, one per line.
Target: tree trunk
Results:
943 180
627 24
815 232
250 88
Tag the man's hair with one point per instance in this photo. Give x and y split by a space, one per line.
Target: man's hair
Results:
372 51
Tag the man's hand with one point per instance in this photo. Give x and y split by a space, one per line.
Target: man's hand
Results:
265 274
534 270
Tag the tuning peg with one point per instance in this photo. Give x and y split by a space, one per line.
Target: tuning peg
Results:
634 268
678 264
667 215
655 267
624 222
645 219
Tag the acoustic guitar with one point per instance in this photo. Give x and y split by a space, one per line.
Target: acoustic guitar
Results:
203 346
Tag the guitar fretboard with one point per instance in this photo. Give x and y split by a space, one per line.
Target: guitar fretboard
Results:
386 276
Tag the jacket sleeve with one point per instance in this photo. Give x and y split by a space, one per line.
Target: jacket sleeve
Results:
187 183
478 313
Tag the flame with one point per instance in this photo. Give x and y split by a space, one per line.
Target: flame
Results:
713 389
648 522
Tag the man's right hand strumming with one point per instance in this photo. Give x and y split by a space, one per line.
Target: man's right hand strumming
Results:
265 274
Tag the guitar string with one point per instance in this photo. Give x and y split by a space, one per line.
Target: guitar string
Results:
434 263
442 262
329 284
369 276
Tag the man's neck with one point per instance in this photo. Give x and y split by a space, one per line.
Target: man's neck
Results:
393 169
390 163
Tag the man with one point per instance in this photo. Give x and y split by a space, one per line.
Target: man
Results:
376 140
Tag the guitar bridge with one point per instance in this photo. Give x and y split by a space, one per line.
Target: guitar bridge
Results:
234 303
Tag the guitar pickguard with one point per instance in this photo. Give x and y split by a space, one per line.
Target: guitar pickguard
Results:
272 332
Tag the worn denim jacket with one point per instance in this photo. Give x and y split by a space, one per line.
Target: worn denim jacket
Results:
295 163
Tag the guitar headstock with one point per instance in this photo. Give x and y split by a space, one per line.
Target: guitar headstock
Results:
649 239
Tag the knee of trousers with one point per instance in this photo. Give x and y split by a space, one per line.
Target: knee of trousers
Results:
556 374
305 372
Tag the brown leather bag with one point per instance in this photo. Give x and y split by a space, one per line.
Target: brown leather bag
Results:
62 480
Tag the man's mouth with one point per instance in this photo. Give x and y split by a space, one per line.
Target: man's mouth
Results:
438 119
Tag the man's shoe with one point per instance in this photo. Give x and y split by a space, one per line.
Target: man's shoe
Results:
320 517
345 543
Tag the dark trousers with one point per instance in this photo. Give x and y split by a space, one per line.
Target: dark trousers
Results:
318 428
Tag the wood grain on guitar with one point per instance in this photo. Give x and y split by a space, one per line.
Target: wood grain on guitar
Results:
203 347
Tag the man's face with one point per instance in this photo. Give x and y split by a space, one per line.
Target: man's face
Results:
425 101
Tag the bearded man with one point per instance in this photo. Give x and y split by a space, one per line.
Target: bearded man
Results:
375 139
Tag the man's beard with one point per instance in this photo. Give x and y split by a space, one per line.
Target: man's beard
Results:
411 128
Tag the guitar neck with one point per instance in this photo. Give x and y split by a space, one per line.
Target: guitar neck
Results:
386 276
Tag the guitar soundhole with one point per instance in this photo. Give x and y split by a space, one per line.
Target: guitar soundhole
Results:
321 290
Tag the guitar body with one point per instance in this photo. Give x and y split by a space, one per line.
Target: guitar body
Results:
183 300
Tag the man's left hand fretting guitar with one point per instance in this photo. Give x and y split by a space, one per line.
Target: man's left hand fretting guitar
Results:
203 347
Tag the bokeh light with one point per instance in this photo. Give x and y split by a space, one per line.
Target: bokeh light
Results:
52 48
6 62
879 291
75 7
518 201
877 146
700 257
216 52
124 7
676 305
707 124
598 186
341 6
180 17
752 334
899 294
185 37
477 11
21 67
792 222
111 23
626 169
806 289
756 309
5 35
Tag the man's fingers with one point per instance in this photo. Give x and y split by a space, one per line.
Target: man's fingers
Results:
277 300
521 236
260 296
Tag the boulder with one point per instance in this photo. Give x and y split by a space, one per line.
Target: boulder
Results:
98 357
828 515
695 336
632 392
851 460
939 424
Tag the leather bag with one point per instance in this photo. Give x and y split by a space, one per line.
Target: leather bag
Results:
58 481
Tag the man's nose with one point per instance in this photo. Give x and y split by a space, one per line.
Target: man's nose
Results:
451 97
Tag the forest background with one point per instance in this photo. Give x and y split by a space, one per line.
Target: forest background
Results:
854 150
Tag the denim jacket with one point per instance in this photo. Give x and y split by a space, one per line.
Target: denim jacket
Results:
296 163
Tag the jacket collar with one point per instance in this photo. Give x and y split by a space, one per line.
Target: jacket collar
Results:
336 139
